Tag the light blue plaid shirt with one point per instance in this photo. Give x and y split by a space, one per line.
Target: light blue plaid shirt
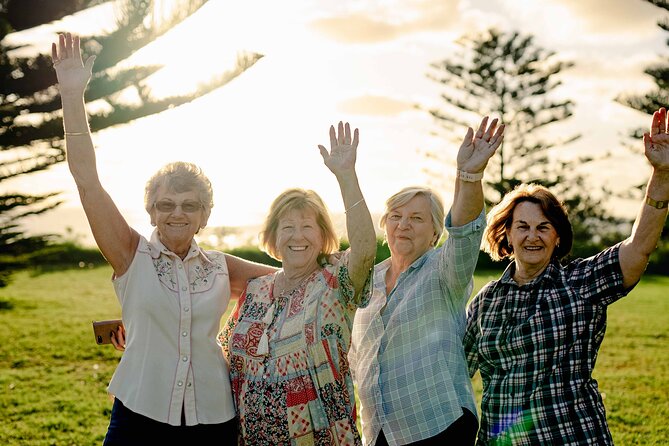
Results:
409 364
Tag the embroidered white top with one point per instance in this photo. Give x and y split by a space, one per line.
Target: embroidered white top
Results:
172 311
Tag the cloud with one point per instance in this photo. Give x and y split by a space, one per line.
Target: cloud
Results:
374 105
616 16
390 21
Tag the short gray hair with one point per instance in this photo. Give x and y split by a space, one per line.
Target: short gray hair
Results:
180 177
405 195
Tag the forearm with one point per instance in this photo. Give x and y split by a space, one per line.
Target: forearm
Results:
459 255
359 228
467 201
80 150
636 250
242 270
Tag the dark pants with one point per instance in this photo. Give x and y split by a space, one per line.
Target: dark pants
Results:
128 428
461 433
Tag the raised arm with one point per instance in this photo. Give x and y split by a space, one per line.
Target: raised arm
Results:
241 271
359 226
114 237
475 151
636 249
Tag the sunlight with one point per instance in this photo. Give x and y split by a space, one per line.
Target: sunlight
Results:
257 135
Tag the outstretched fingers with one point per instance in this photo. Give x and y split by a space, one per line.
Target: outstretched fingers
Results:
662 112
482 128
340 133
333 137
491 129
76 51
658 125
497 138
347 134
67 46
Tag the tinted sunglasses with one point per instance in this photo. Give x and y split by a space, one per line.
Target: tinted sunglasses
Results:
169 206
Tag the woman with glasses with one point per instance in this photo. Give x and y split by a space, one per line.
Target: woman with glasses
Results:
172 384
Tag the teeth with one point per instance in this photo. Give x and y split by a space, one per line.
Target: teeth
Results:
298 248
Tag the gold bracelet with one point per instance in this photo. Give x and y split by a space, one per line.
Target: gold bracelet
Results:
469 177
77 133
354 205
657 204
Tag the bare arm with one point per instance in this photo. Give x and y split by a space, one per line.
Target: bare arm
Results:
636 250
475 151
114 237
241 271
359 226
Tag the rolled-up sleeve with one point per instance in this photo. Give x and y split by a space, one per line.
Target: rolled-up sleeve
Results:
459 255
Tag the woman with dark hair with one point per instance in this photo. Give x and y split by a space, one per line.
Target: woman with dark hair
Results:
406 353
534 334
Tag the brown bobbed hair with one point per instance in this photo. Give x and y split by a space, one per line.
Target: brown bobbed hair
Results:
180 177
500 218
405 195
298 199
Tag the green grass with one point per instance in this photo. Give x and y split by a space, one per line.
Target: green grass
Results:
53 376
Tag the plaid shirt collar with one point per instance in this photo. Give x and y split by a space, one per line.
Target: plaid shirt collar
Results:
551 275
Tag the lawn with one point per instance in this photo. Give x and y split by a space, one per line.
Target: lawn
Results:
53 376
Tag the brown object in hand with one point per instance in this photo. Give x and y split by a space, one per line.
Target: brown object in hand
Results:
104 330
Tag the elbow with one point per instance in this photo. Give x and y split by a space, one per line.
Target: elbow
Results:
369 257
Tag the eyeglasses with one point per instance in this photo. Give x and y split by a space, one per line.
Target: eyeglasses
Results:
169 206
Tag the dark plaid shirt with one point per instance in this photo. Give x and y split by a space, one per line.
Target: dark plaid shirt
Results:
536 346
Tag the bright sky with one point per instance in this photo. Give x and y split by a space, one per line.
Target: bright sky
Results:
360 61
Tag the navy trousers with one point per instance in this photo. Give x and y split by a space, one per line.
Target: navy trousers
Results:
127 428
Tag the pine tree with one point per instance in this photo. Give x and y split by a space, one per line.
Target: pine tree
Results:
31 132
506 75
649 103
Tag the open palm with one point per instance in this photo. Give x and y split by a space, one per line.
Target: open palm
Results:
657 142
73 75
343 149
477 148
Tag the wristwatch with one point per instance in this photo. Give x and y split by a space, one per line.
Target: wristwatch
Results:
469 177
657 204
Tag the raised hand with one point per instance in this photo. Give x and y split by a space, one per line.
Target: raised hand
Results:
73 75
343 150
656 142
477 149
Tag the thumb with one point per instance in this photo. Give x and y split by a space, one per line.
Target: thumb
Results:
647 142
89 63
324 152
468 137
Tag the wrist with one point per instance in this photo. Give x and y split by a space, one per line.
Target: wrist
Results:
72 95
657 204
469 177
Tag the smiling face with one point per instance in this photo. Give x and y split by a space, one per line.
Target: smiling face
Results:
299 239
532 237
409 230
176 228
